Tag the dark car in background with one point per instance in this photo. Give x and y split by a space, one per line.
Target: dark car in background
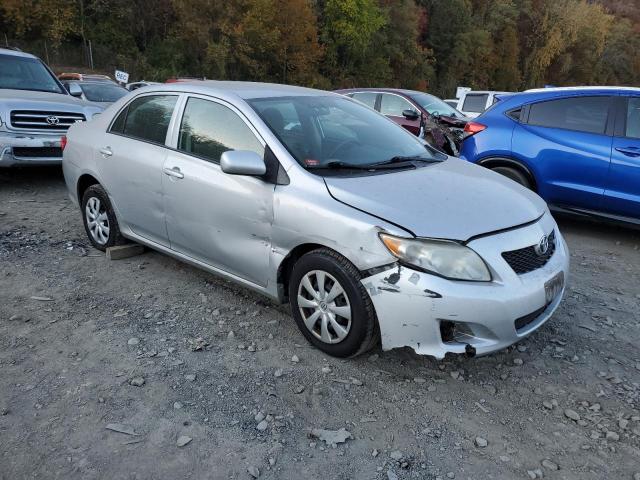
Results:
103 93
422 114
577 147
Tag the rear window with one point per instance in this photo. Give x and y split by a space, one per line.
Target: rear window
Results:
475 103
102 92
583 114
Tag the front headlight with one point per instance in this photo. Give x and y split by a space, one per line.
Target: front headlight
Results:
441 257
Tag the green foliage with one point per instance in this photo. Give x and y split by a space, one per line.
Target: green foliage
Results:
426 44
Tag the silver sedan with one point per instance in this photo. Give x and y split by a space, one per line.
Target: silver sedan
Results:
313 199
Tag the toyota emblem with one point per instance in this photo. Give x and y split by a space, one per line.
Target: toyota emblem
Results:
53 120
543 246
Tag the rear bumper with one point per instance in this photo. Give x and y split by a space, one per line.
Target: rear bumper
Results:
436 316
29 149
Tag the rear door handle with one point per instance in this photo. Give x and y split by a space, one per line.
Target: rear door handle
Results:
173 172
106 151
629 151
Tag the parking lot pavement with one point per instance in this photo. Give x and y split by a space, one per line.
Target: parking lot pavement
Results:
91 348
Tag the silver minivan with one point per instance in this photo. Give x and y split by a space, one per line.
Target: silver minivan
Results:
313 199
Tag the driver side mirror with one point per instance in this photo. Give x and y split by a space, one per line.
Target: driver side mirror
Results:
410 114
74 89
242 162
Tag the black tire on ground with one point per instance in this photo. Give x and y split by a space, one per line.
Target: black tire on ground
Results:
114 237
364 333
515 175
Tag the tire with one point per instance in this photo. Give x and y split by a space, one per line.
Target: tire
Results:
361 326
99 219
515 175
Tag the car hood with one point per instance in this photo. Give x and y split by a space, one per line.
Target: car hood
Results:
454 199
18 99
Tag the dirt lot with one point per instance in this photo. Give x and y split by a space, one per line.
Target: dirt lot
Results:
79 334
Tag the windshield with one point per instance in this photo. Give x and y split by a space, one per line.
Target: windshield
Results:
321 132
102 92
435 106
20 73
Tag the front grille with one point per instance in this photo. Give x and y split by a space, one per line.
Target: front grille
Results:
38 152
528 259
522 322
43 120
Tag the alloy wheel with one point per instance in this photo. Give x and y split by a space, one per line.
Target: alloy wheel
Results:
97 220
324 306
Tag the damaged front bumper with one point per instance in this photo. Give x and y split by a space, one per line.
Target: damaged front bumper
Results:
436 316
23 149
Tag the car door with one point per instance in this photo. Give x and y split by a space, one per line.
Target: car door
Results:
393 105
566 142
622 194
131 158
219 219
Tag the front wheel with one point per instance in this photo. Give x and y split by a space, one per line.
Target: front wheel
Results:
331 306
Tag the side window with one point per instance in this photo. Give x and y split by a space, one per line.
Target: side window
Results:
209 129
394 105
368 98
475 103
146 118
633 118
583 114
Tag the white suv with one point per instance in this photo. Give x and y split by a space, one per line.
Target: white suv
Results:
474 103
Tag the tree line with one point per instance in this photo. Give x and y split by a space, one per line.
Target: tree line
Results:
432 45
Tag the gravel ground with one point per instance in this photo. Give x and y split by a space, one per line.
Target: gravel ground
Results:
144 345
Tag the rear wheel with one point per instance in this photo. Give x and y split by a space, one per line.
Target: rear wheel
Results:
515 175
331 306
99 219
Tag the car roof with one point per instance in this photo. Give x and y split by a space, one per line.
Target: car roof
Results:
585 89
483 92
243 90
16 53
401 91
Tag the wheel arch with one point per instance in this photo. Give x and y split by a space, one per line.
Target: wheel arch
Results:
286 266
491 162
84 182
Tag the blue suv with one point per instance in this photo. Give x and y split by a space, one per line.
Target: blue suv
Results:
578 148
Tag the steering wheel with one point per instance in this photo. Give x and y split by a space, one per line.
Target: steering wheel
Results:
342 145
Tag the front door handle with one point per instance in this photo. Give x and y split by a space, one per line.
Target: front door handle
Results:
173 172
106 151
629 151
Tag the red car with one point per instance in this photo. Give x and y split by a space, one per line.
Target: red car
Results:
420 113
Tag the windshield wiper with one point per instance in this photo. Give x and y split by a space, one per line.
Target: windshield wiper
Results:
404 159
367 166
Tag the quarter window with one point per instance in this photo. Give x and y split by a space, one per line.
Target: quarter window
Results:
146 118
368 98
583 114
633 118
209 129
394 105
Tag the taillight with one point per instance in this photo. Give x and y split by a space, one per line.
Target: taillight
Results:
472 128
63 141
